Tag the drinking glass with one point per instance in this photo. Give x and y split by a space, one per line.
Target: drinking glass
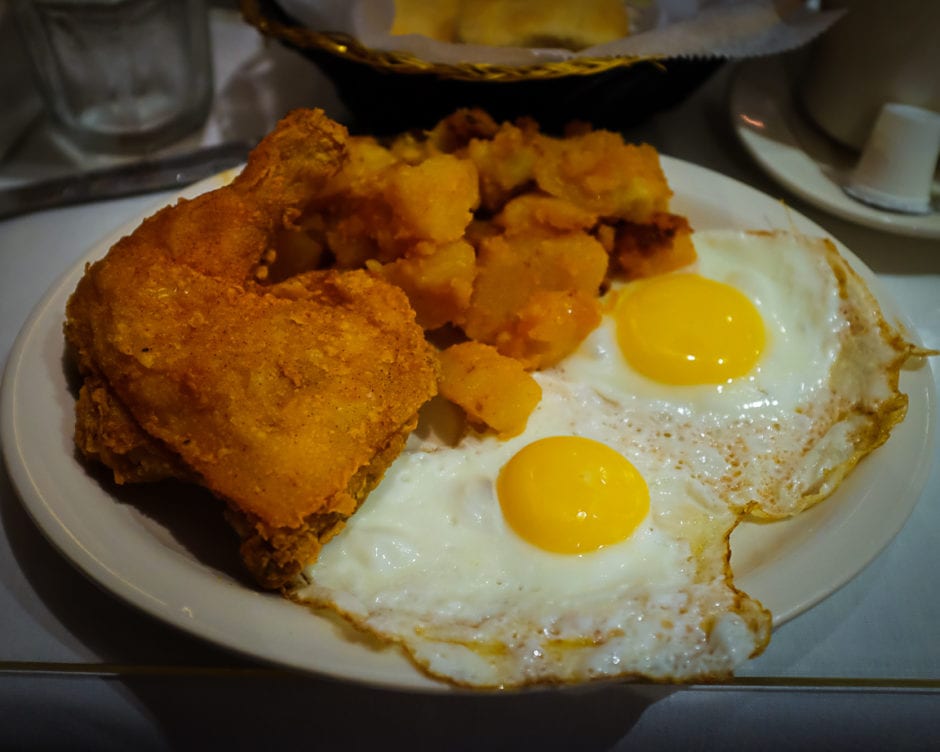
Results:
120 76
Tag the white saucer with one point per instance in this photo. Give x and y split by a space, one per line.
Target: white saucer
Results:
800 157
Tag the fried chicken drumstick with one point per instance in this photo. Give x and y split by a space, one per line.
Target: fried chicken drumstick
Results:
287 400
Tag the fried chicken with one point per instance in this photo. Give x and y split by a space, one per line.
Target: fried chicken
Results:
286 400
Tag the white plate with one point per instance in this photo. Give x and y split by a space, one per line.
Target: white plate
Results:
800 157
179 564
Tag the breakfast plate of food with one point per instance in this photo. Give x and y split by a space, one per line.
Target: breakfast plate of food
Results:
475 408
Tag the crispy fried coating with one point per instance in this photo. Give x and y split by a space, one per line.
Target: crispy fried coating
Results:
106 431
274 401
287 400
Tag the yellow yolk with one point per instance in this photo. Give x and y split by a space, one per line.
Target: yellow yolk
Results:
571 495
687 329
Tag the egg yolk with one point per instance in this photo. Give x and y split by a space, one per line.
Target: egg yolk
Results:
571 495
687 329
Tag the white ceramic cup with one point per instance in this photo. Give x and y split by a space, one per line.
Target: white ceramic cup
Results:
897 165
879 51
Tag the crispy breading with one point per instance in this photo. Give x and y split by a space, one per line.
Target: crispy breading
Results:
105 431
286 400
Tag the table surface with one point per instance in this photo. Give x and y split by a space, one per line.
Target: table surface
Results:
79 669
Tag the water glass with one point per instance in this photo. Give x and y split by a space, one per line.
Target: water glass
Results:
120 76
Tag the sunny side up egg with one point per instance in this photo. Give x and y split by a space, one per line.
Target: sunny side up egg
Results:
820 393
596 543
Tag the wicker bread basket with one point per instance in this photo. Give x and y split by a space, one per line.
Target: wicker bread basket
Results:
390 91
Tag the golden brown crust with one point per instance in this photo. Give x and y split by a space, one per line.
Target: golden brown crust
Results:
284 399
276 557
106 432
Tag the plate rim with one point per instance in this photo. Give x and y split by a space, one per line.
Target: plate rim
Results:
388 673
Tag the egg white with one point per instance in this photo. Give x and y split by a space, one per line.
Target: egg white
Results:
429 562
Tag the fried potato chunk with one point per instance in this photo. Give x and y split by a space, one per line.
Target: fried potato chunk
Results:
493 390
541 213
659 246
535 296
505 162
433 200
600 173
460 128
381 207
438 280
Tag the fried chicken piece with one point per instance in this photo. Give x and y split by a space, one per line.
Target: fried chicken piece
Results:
286 400
106 432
